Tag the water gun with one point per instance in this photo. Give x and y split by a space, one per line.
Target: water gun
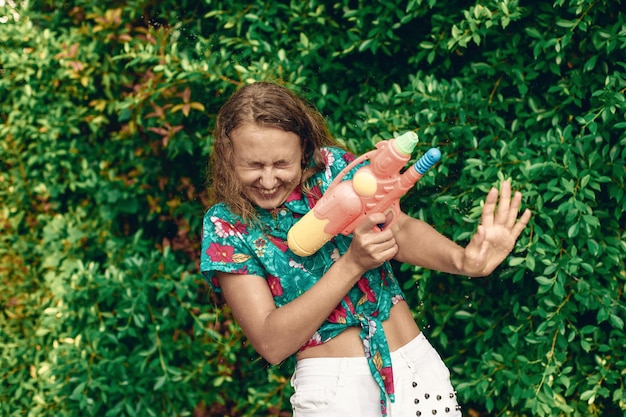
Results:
374 188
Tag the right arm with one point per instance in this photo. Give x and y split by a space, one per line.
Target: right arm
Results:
277 333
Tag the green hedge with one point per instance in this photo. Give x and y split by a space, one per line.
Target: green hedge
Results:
105 119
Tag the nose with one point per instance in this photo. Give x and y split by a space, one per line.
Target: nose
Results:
268 178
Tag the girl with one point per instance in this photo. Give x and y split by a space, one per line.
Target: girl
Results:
341 311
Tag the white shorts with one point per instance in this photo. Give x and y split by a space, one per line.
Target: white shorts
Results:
339 387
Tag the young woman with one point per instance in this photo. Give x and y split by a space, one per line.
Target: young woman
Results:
341 311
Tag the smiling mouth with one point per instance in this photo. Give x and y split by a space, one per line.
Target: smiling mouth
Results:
268 192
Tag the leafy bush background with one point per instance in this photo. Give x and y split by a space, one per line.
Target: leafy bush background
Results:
106 113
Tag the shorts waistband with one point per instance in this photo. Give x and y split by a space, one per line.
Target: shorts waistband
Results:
333 366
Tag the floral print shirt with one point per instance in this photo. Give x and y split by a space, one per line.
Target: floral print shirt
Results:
230 245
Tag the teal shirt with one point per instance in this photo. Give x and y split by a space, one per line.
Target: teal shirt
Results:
230 245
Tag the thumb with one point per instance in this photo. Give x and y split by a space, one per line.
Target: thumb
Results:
377 220
372 222
475 249
480 236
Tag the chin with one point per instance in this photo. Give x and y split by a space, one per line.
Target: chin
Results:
268 204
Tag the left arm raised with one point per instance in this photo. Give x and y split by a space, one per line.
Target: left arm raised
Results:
420 244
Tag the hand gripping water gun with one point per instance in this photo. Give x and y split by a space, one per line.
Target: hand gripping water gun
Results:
374 188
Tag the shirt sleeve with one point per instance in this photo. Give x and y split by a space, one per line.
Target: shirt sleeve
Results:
226 247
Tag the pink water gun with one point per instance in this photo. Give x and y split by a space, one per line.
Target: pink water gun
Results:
374 188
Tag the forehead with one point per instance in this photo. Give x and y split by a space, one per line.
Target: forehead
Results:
258 143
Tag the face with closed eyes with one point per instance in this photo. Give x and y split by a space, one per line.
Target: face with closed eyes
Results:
268 163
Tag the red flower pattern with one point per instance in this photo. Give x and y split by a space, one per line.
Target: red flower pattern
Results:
349 157
313 196
275 286
279 243
295 195
348 302
338 315
364 286
387 374
220 253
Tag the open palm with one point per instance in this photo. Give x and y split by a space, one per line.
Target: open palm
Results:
497 233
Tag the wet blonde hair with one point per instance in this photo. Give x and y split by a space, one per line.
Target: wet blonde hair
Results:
263 104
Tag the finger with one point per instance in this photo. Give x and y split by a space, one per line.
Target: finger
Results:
514 210
504 203
391 252
521 224
489 207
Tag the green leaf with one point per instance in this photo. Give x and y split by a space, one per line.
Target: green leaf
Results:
463 314
160 381
544 281
617 321
573 230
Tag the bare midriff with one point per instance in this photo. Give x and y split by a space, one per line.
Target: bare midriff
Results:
400 328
